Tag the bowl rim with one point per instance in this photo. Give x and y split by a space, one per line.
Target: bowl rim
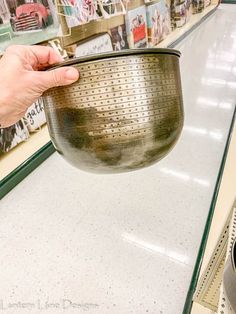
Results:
113 54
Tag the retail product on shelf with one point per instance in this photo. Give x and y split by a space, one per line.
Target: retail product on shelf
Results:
13 135
207 3
35 116
95 45
56 45
79 12
158 22
4 13
119 38
29 16
180 12
109 8
198 6
27 22
188 4
136 27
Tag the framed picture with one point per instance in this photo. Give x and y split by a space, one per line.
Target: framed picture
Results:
27 22
95 45
109 8
119 38
198 6
79 12
12 136
35 116
136 26
158 21
181 12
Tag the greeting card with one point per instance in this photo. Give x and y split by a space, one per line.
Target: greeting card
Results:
136 27
13 135
119 38
35 116
96 45
158 21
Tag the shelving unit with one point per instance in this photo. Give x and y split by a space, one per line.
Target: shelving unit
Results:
181 32
14 158
216 221
17 160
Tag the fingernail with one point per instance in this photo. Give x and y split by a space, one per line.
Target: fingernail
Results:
72 74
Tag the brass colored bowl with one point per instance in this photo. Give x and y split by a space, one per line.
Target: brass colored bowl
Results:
124 113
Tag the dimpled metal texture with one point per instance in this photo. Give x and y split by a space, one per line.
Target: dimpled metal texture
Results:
124 113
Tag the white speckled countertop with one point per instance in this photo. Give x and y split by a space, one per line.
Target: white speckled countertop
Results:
72 242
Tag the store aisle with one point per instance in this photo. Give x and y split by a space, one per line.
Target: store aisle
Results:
121 244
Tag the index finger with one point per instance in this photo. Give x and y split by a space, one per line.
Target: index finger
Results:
44 55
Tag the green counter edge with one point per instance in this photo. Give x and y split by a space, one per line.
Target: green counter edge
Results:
228 1
18 174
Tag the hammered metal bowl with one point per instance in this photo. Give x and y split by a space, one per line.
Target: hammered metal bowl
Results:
124 113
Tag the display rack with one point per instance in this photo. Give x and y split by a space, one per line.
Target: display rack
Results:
15 164
221 205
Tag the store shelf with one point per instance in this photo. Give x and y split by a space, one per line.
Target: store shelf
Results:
222 202
80 33
181 32
199 309
17 156
23 159
229 1
30 38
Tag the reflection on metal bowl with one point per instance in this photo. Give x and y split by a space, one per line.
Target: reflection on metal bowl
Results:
124 113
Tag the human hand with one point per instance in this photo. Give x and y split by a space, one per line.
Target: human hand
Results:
22 82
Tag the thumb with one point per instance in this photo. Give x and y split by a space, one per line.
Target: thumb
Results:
58 77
